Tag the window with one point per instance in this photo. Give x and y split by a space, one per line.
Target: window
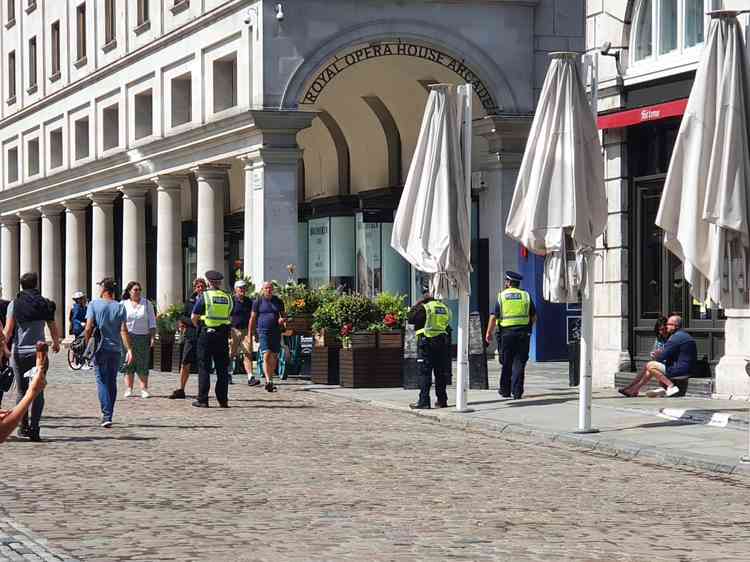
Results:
32 154
55 148
55 48
667 27
32 65
81 31
109 21
225 82
111 127
82 138
144 114
182 100
13 165
11 77
142 12
11 12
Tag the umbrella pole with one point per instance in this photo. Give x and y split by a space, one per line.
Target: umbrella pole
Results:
462 359
587 351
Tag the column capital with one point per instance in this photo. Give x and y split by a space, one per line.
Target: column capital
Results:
103 198
271 155
135 190
169 181
29 215
8 220
52 210
72 205
207 172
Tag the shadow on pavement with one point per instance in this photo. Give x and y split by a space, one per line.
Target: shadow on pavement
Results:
96 438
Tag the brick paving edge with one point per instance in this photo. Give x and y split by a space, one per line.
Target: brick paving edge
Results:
588 442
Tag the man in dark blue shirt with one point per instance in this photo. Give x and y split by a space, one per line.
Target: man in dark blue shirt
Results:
241 311
268 319
676 359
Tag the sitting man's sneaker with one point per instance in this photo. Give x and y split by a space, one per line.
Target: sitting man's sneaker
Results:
656 393
416 406
672 390
199 404
179 393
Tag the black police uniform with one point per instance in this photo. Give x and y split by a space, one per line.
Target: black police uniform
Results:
212 349
513 344
433 355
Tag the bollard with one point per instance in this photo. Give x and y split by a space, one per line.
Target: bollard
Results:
409 371
478 377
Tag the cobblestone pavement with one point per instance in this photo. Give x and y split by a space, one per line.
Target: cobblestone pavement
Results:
301 476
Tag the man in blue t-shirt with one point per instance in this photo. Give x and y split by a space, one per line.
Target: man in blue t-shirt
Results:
109 317
267 321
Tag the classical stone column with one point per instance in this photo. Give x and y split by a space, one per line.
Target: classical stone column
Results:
210 237
247 242
29 231
134 233
51 282
9 254
75 251
272 179
168 240
102 237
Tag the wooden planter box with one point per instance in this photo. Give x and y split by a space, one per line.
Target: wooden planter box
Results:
166 355
363 340
377 366
324 365
300 324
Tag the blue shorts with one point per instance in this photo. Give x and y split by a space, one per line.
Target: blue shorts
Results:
269 341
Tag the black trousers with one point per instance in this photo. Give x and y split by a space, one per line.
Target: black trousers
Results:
213 348
433 355
514 353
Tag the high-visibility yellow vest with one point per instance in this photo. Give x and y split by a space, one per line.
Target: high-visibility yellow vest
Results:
218 308
438 318
515 305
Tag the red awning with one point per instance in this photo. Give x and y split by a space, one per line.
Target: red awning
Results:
642 115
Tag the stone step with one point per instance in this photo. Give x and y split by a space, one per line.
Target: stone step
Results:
702 388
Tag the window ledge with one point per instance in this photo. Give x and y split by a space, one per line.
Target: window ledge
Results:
80 62
32 89
10 23
107 47
145 26
179 6
31 7
55 76
11 100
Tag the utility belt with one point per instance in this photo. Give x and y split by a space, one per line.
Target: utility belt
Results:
223 329
436 339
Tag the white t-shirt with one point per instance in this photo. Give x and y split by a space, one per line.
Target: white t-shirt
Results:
140 317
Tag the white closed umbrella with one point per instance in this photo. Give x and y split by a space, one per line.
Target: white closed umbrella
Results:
559 206
432 228
705 205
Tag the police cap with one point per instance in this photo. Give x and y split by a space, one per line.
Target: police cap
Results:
212 275
513 276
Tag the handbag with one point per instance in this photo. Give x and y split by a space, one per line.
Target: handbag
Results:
6 378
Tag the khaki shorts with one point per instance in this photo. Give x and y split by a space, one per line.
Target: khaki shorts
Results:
237 341
656 366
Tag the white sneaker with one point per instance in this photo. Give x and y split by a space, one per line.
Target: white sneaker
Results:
128 393
106 424
656 393
672 390
145 394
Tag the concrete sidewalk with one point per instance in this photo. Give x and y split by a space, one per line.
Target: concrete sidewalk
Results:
694 432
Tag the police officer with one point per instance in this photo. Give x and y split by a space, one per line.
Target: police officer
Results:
432 318
515 314
214 310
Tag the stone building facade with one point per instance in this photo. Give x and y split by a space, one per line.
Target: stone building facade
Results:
154 140
642 95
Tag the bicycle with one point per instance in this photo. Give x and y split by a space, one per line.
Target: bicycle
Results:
77 358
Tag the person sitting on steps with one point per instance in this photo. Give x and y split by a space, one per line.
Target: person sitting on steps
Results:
676 359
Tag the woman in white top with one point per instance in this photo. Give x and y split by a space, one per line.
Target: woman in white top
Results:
141 323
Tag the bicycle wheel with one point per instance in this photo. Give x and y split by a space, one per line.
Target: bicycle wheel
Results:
73 361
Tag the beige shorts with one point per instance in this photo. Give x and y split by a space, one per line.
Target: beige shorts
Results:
656 366
239 340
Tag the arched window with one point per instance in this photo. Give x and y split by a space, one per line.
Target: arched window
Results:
664 29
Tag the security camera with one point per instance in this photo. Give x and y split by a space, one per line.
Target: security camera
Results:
279 13
604 49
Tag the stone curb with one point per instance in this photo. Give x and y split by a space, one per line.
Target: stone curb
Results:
591 442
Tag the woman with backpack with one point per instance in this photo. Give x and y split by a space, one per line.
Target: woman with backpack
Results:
141 322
